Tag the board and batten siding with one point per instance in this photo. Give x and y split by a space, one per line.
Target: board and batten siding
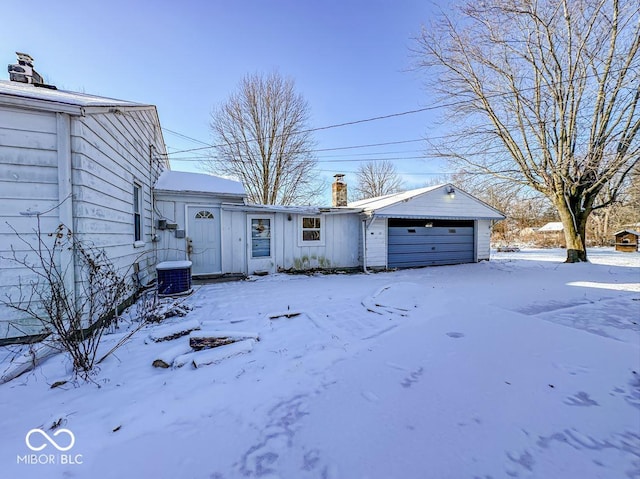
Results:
170 248
110 153
376 243
28 184
172 207
338 247
234 241
483 239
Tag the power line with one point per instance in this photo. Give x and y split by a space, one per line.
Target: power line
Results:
350 123
392 115
182 135
318 158
343 148
328 127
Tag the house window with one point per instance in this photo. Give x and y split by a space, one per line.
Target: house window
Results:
137 212
311 228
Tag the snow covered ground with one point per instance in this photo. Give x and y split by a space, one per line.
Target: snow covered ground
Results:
520 367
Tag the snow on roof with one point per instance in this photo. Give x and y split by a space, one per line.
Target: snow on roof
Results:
553 226
633 232
183 181
382 201
28 91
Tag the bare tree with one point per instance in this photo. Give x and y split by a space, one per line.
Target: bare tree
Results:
376 178
264 141
546 95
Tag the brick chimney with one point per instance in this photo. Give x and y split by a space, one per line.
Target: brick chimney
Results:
339 191
23 71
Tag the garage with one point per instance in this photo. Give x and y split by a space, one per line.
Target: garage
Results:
425 242
435 225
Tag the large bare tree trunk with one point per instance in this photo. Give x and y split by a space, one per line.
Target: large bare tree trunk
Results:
574 222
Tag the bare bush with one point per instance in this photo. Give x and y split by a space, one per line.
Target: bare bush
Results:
75 315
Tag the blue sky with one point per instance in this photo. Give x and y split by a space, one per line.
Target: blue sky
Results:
350 59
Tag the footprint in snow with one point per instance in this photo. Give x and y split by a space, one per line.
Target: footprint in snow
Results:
370 396
455 335
580 399
412 378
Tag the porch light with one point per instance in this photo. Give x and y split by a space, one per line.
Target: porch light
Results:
451 192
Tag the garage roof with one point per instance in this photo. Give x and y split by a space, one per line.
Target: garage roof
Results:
431 202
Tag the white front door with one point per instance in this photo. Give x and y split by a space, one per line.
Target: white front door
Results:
260 254
203 239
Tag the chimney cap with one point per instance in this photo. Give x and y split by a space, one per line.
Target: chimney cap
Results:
25 57
338 176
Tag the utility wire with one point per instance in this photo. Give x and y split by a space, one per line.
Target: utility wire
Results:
338 125
391 115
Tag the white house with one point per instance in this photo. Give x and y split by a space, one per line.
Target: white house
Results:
211 225
99 166
80 160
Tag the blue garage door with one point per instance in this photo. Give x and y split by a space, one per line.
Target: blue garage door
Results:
413 243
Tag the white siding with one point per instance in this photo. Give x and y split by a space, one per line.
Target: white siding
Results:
376 242
28 183
234 242
438 204
111 151
171 206
337 249
169 247
483 235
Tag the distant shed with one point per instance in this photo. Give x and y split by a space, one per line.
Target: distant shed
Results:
627 241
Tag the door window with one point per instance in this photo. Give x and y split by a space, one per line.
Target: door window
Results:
204 215
260 237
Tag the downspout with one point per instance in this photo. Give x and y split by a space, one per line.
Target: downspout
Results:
65 196
364 246
153 208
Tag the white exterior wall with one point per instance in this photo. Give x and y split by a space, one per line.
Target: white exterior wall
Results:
376 242
101 155
172 207
28 183
170 248
234 242
338 247
111 151
437 204
483 239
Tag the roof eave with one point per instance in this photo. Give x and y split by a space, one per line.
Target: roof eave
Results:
40 105
199 193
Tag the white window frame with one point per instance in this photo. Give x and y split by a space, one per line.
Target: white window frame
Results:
319 242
